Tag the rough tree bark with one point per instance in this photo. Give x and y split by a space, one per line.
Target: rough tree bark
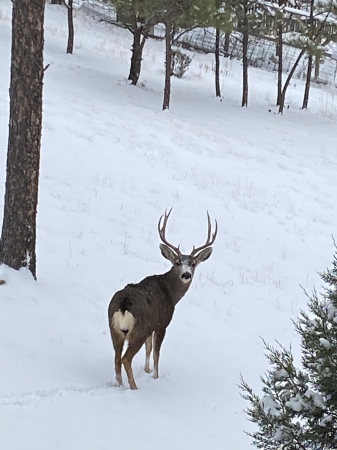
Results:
307 83
245 70
317 66
310 62
70 46
18 238
245 39
137 54
226 44
279 54
168 64
217 62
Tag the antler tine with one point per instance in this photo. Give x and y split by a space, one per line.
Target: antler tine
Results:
162 231
210 240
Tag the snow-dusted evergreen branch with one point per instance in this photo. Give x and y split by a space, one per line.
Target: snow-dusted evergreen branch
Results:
298 408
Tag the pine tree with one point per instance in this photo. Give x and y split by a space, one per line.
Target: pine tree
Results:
179 14
248 19
315 31
139 17
318 34
220 16
298 408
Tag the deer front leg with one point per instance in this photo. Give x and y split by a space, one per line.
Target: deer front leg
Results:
158 338
148 350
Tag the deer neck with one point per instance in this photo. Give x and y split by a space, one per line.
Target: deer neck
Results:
175 286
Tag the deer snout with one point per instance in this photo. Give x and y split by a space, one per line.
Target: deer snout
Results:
186 276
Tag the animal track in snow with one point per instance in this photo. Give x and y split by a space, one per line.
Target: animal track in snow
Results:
34 397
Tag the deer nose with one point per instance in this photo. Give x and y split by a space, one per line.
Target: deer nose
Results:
186 276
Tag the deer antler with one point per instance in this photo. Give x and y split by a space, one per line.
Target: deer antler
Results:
162 231
209 240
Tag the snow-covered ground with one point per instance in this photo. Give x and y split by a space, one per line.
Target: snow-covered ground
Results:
111 163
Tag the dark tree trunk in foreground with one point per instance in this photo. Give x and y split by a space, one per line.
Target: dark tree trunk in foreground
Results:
168 65
70 46
137 55
307 83
18 238
217 63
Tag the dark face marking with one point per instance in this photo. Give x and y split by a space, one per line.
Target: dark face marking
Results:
185 266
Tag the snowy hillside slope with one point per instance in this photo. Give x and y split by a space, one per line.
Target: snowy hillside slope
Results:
111 162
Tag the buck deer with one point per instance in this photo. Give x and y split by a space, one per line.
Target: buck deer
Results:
140 312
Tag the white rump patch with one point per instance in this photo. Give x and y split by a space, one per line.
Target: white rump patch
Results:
123 322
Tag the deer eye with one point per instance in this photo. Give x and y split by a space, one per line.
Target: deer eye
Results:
178 263
193 264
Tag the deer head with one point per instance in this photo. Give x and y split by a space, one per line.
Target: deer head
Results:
184 265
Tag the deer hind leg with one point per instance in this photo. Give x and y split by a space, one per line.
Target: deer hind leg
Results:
134 347
158 338
148 350
118 343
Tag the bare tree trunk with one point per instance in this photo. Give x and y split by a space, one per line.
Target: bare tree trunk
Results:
310 62
168 64
18 238
286 84
226 45
217 63
279 51
245 70
137 53
317 66
307 83
70 46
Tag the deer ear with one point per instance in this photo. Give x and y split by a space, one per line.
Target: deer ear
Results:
203 255
168 253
